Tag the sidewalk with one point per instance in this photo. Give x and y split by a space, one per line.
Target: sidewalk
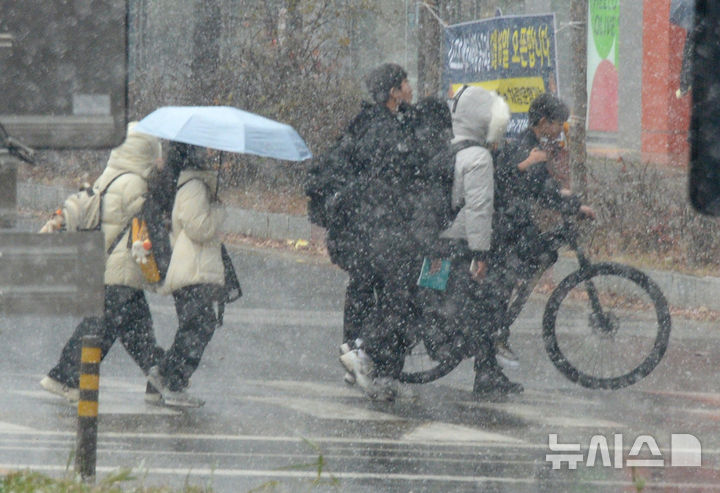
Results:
681 290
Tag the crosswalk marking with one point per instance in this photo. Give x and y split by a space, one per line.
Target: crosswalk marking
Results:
6 427
533 413
122 396
443 432
526 411
711 398
110 403
326 409
307 387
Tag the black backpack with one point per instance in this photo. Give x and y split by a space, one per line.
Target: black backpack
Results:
326 175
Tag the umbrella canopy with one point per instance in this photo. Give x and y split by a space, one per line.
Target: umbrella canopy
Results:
227 129
682 13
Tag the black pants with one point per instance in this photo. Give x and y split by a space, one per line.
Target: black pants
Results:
197 322
509 265
387 331
359 302
470 309
126 316
348 252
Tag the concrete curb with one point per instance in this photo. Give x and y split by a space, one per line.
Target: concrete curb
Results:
680 289
244 221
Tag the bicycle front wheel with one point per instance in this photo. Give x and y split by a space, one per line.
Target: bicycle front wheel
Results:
607 326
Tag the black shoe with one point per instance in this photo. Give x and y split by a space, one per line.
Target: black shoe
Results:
491 381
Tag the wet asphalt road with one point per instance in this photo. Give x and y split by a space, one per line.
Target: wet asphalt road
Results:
278 411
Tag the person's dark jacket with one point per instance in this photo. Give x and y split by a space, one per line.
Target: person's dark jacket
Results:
343 236
516 192
373 207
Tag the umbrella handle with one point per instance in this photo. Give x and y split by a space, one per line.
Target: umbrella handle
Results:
219 175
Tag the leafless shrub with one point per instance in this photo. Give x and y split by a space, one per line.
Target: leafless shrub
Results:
644 209
290 61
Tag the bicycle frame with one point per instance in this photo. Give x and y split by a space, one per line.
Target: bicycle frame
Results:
567 234
604 322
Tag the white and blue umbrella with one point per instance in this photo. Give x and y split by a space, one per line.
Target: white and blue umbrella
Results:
226 129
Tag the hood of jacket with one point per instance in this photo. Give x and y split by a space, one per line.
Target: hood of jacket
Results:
138 154
480 115
207 176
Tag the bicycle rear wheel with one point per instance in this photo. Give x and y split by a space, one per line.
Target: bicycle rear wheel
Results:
607 326
434 353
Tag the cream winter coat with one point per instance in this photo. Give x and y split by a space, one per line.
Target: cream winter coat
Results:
136 157
482 116
196 222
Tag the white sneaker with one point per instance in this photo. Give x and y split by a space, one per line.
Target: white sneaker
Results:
505 356
58 388
358 363
180 398
386 389
349 378
172 398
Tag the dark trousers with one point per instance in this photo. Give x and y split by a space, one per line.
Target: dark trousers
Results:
387 331
470 308
359 302
197 322
126 316
347 251
509 266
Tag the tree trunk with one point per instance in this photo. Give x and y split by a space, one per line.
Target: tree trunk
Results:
429 42
576 139
206 53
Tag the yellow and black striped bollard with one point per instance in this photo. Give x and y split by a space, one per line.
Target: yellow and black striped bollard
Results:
86 452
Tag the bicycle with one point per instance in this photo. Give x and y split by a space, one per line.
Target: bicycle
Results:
615 302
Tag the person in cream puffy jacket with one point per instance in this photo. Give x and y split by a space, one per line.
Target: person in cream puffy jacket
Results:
195 273
126 315
481 116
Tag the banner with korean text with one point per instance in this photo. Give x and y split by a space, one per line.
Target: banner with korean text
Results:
514 56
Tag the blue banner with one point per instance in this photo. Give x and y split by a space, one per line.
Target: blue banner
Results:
514 56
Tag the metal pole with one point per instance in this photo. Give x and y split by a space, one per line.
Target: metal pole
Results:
86 453
8 190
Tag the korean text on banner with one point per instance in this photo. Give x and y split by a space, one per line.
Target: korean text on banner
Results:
514 56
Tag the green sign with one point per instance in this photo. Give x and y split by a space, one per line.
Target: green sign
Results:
605 21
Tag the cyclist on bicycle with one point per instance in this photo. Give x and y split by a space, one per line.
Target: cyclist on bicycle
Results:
522 179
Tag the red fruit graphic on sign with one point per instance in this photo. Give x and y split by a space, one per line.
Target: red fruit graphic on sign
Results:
603 106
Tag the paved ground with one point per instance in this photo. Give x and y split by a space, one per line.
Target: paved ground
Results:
278 411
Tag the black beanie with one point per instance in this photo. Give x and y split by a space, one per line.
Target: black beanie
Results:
382 79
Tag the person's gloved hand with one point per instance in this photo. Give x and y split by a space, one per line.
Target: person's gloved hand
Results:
140 251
